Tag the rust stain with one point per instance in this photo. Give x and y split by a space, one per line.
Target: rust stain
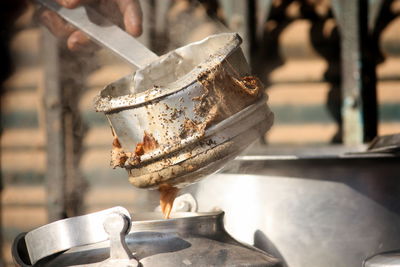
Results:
118 156
139 150
168 194
148 144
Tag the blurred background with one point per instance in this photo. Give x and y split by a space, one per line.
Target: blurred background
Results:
296 47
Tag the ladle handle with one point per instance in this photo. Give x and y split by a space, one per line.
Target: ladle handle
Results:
107 34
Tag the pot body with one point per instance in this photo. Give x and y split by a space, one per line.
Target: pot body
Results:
189 239
310 211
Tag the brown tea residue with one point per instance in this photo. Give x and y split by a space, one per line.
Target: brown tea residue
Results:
224 94
119 157
250 84
148 144
189 127
168 194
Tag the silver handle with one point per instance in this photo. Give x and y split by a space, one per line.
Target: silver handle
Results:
117 226
68 233
107 34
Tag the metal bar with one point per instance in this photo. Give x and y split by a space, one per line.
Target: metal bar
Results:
359 103
374 7
262 12
369 50
65 130
73 72
347 15
55 171
237 15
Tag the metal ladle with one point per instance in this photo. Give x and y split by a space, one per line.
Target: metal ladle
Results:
197 103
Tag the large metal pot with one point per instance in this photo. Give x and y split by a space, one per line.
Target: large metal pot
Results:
310 209
195 108
189 239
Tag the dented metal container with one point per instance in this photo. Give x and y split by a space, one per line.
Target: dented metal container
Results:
189 239
182 117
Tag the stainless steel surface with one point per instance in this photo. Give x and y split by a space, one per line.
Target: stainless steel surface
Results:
186 203
310 211
105 33
385 144
65 234
384 260
194 239
165 109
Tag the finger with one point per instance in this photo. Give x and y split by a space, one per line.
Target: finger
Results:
79 41
57 26
132 14
73 3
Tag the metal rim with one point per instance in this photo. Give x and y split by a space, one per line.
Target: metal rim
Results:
215 129
183 220
105 103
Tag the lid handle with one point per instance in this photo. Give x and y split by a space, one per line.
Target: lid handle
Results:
117 225
68 233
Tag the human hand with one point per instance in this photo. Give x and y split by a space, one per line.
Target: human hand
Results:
125 13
